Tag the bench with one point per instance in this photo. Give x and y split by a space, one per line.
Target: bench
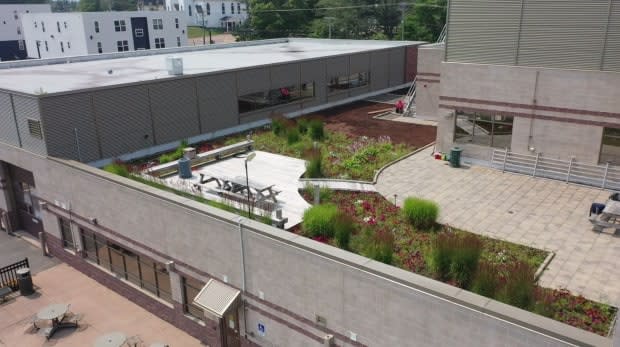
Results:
4 292
600 222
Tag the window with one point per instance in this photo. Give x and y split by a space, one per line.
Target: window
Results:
19 31
65 24
99 47
119 25
43 26
178 41
21 45
159 42
96 26
223 9
238 7
176 23
176 7
610 148
35 25
191 288
34 126
46 47
15 15
142 271
58 26
232 8
65 233
190 10
208 9
274 97
158 24
68 45
483 129
198 9
355 80
139 32
62 47
122 46
23 197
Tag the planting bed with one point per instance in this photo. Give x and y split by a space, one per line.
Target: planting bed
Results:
378 223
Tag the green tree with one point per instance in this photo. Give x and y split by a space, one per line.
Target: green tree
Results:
64 6
426 20
90 5
274 18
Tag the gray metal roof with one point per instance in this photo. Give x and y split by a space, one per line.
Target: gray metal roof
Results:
216 297
59 75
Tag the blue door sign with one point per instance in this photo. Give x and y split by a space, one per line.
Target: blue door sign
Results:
261 329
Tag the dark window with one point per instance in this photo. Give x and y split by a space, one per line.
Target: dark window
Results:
19 31
610 148
34 126
223 9
355 80
23 198
158 24
191 288
483 129
58 26
21 45
122 46
232 8
35 25
99 47
119 25
15 15
274 97
65 24
176 23
208 9
43 26
159 42
65 233
96 26
190 10
62 47
178 41
47 49
68 45
238 8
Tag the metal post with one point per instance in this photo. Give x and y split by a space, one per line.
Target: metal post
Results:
329 24
570 166
77 144
247 186
505 157
605 176
403 7
203 29
536 164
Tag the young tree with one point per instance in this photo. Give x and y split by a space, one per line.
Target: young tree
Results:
89 5
426 20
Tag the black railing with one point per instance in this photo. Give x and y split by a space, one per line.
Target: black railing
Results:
8 274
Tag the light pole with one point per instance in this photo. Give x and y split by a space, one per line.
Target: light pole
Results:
248 158
330 21
403 8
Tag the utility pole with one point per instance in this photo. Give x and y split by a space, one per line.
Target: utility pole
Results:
330 22
403 8
204 29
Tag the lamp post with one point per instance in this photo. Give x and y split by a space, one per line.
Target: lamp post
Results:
248 158
403 7
330 21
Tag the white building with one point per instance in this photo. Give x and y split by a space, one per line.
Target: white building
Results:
55 35
11 33
217 14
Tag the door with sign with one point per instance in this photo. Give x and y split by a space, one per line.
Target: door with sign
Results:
231 329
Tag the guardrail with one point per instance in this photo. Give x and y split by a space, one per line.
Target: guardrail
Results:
8 274
600 176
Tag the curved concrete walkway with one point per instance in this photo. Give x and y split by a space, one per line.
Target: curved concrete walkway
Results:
339 185
538 212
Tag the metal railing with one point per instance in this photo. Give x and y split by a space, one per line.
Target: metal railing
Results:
8 274
410 98
442 35
600 176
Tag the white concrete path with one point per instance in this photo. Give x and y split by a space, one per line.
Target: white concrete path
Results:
339 185
541 213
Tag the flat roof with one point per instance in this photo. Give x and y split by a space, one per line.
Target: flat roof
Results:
48 76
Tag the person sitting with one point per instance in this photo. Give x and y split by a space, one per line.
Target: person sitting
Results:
400 106
284 93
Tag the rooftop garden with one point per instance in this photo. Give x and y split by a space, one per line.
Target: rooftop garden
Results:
410 238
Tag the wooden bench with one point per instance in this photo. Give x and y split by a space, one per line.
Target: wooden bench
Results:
4 292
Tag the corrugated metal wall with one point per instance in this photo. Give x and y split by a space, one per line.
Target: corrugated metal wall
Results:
174 110
8 128
26 108
570 34
218 110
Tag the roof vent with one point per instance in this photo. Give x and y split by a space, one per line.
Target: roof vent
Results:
174 65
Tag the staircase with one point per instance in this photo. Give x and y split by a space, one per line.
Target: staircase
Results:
409 110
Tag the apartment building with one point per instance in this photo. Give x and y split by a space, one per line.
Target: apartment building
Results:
12 44
212 14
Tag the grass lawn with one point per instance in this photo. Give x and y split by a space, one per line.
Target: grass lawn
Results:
196 32
375 219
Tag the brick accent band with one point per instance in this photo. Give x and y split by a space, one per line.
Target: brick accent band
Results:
427 80
428 74
285 323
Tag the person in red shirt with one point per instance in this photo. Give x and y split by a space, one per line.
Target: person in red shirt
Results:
400 106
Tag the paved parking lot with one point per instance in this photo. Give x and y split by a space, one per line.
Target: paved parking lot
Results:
538 212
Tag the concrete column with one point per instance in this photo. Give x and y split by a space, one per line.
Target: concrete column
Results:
7 200
77 240
176 285
43 243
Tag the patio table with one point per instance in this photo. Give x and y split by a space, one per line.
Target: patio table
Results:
115 339
55 313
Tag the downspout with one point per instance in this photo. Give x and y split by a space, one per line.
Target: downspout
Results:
245 320
534 103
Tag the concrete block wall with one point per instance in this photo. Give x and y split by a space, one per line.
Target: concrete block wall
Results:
287 280
428 81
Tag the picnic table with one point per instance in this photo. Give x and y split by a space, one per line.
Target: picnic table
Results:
608 218
240 184
115 339
55 313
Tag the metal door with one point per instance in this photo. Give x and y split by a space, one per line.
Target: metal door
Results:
140 33
230 329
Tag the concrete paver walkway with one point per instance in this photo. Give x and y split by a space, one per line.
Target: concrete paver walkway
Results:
338 185
537 212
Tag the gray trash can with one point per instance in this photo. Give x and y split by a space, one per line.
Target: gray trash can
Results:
455 156
25 281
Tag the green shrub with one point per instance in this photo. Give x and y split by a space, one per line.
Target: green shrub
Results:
278 127
375 245
319 220
456 256
176 155
302 126
441 255
486 281
117 168
292 136
420 213
519 289
316 130
343 227
314 165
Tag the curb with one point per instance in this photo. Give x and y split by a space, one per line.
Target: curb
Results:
374 181
543 266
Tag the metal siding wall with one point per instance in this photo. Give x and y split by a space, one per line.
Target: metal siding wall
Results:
28 108
315 71
563 33
336 67
253 80
379 70
217 96
611 60
359 63
284 75
174 110
397 66
63 114
483 31
123 119
8 128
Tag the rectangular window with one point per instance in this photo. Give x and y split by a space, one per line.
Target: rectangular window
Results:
122 46
65 233
208 9
483 129
610 147
269 98
355 80
34 128
65 24
90 245
58 26
97 26
232 8
158 24
176 23
47 49
21 45
35 25
43 26
191 288
159 42
139 32
178 41
238 7
99 47
223 9
19 31
62 47
68 45
119 25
